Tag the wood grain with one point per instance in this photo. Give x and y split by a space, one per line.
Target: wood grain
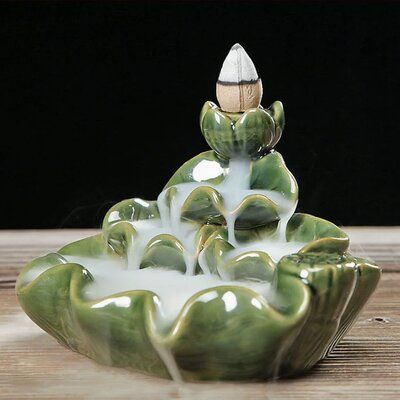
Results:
365 365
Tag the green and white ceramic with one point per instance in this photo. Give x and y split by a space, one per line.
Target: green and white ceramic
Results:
270 291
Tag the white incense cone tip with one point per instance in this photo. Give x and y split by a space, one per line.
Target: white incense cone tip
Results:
238 67
237 46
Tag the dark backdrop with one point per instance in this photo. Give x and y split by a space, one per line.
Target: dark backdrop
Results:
101 102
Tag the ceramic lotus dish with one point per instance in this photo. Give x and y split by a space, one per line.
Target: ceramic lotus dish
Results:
218 278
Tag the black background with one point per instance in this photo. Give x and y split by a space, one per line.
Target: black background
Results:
100 102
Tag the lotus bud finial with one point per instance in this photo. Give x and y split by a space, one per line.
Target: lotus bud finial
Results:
238 87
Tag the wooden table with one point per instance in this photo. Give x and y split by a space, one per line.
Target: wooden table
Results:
365 365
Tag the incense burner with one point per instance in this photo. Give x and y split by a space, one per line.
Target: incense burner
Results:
219 278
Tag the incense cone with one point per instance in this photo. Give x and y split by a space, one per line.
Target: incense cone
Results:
239 87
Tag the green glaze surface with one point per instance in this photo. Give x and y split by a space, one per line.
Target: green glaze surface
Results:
226 332
252 132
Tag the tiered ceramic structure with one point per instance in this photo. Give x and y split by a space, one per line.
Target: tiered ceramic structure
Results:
222 332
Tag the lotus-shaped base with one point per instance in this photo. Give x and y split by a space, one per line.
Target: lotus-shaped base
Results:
229 331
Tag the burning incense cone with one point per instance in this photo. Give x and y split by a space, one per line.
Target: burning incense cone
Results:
239 87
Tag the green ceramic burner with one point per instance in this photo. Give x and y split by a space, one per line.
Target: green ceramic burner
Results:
218 278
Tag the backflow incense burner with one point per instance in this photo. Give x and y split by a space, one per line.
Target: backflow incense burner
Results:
217 279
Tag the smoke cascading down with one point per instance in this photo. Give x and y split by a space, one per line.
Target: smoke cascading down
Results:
218 278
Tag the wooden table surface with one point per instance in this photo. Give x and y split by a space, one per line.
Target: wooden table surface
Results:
365 365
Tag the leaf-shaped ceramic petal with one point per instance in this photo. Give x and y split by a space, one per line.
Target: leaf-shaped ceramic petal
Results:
121 236
257 218
214 252
333 278
217 129
131 210
164 251
201 237
255 131
204 205
322 236
326 245
115 331
117 226
270 173
204 233
91 247
252 265
205 167
368 276
278 114
237 330
39 265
